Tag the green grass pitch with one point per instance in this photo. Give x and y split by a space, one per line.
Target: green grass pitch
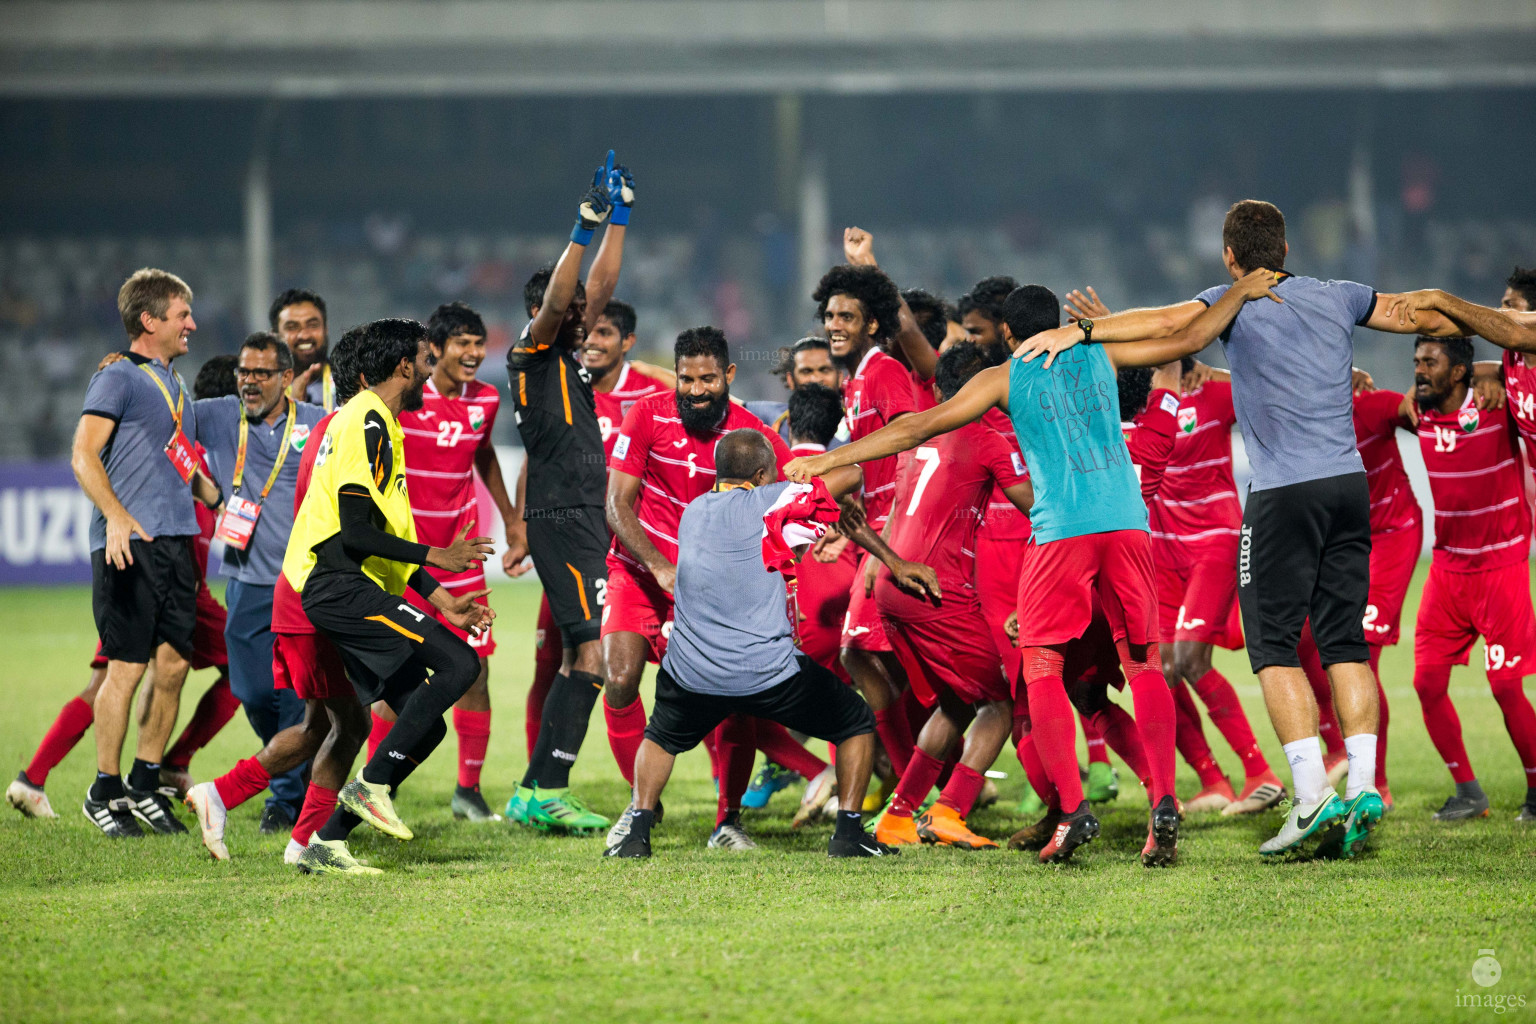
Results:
484 922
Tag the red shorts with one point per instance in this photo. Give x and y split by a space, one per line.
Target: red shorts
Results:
1394 556
1197 597
1458 607
954 651
821 603
207 634
637 604
997 584
863 629
307 664
1058 582
484 644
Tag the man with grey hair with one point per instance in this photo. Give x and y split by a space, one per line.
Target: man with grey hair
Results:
732 649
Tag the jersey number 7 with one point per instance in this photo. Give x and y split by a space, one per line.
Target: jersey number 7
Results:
929 457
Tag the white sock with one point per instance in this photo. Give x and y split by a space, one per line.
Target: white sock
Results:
1309 775
1362 763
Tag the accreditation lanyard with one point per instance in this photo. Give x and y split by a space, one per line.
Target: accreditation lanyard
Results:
327 389
178 449
240 514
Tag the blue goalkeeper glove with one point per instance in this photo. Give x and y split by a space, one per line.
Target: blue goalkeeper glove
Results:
621 191
595 208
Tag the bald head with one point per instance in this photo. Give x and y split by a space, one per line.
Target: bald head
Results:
744 456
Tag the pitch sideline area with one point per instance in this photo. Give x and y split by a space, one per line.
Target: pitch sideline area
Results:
483 922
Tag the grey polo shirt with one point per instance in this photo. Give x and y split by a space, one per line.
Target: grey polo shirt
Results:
141 475
1291 366
731 633
218 431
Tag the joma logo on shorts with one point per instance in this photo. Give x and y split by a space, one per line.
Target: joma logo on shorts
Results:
1244 550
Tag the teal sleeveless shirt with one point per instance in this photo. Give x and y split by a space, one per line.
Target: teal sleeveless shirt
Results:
1067 419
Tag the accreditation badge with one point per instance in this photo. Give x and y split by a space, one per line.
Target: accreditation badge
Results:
238 521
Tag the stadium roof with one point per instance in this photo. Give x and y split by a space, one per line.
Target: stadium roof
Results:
343 48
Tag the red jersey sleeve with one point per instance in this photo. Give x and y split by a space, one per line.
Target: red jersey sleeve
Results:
1001 460
1221 408
632 449
1151 443
890 387
1376 412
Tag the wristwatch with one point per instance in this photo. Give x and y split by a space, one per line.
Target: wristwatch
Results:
1087 326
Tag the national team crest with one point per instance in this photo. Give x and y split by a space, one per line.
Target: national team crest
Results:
1468 418
476 417
1188 420
300 435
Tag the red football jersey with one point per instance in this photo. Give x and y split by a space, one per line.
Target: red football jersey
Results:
1481 518
1196 506
674 466
613 406
922 391
287 607
1393 506
1150 439
1520 383
877 392
441 441
1003 520
207 522
942 488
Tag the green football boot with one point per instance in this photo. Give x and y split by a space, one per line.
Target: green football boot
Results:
1361 816
517 806
561 810
1320 826
1031 806
1103 783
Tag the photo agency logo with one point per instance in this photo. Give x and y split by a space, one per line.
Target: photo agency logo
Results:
1486 975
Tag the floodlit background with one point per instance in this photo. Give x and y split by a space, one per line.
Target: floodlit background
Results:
399 154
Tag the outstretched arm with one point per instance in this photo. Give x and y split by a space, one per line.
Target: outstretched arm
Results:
1440 314
561 289
987 389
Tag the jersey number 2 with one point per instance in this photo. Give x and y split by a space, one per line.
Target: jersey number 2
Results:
929 457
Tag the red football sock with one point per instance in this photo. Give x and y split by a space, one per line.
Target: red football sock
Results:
74 719
963 789
922 772
896 733
1189 739
736 741
376 735
217 706
711 748
1327 718
784 750
1385 717
1096 751
1432 683
626 728
1120 732
240 783
1227 715
947 771
1053 725
545 668
1519 719
1155 720
319 802
474 731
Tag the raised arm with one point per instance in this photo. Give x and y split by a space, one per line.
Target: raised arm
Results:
859 251
561 290
987 389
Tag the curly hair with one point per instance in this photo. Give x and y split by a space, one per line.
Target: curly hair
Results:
931 313
987 297
1523 281
876 294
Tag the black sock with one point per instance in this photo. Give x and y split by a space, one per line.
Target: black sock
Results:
1530 796
144 776
339 825
420 714
567 710
1470 789
401 770
732 817
640 824
850 825
107 787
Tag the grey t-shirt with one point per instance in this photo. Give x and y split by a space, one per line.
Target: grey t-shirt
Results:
142 476
218 431
1291 365
731 633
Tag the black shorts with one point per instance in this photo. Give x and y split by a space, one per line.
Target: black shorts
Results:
386 643
150 602
570 550
1305 552
812 701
